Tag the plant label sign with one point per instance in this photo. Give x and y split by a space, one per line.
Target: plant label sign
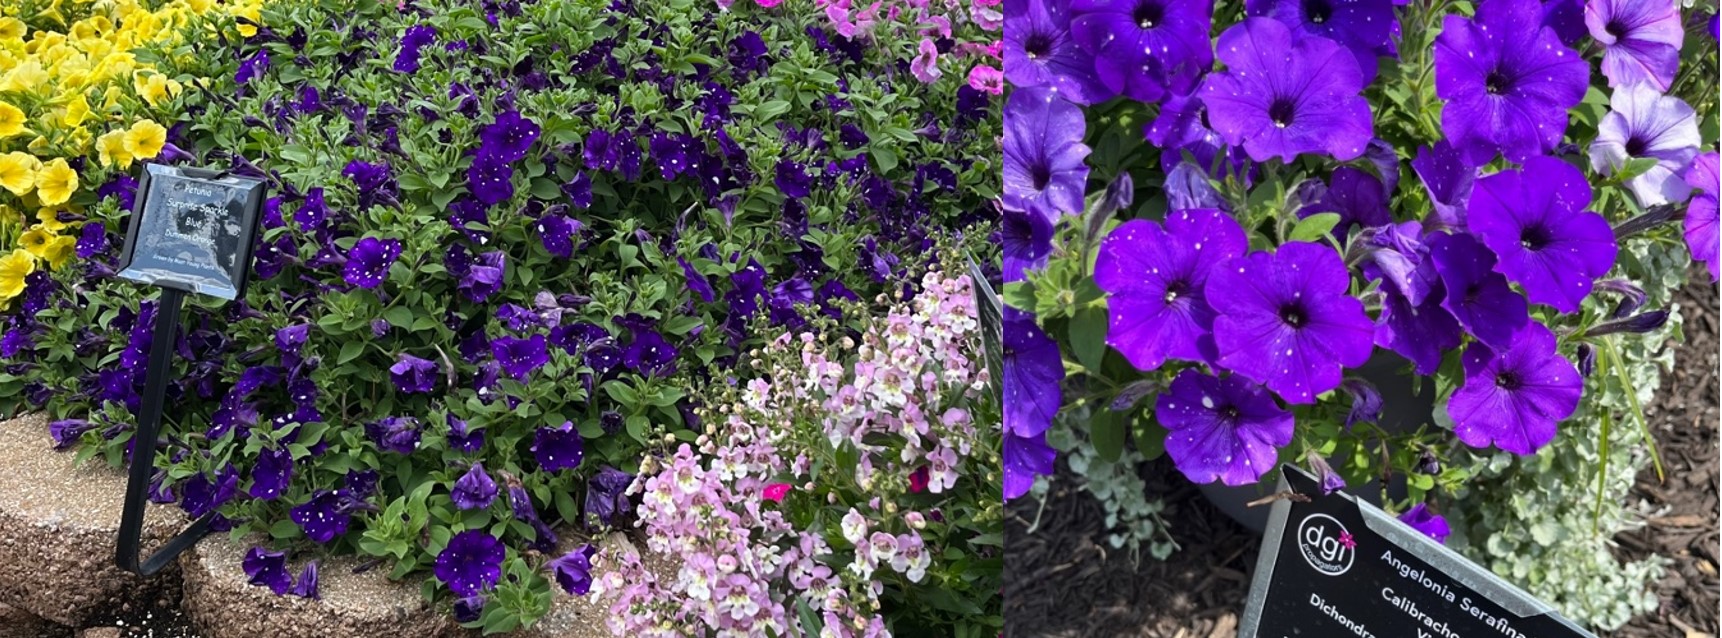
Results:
1338 567
192 229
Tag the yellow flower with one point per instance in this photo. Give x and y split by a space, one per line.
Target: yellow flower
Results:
11 29
76 110
254 14
36 240
25 77
111 150
154 87
145 139
49 218
18 172
60 251
11 120
13 269
56 182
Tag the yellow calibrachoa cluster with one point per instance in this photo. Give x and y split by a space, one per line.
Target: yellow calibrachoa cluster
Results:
76 105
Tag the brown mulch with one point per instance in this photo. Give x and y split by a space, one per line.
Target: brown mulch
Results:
1063 581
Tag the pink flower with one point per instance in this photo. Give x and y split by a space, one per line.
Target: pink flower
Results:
776 491
986 78
925 67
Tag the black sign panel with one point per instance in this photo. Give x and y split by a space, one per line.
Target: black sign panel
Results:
1336 567
192 230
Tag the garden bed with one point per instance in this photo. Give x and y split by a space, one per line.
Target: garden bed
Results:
1063 581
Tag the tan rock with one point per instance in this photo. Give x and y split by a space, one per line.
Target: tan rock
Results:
100 632
17 623
57 529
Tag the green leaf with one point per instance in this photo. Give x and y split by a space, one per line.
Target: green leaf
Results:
1314 227
885 158
1088 336
565 506
1107 429
1635 167
350 351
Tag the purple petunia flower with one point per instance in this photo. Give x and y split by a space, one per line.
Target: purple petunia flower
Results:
1701 224
307 585
579 190
557 233
793 180
471 563
469 608
398 434
1025 457
413 375
649 354
1039 50
606 495
1641 40
1448 179
474 490
369 260
1646 124
415 38
1285 319
267 568
508 138
203 495
520 357
1508 82
1477 296
573 570
1534 220
1413 322
1513 398
1361 26
483 277
1356 196
463 439
1044 169
558 448
1155 278
697 283
324 517
92 240
1033 372
1365 402
1145 48
1283 95
1222 428
252 68
1026 240
269 478
490 179
67 432
1425 520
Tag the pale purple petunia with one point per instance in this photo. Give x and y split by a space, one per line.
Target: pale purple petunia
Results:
1701 224
1535 222
1039 50
1361 26
1647 124
1641 40
1155 278
1508 82
1514 397
1283 95
1287 319
1145 48
1044 169
1225 429
1477 296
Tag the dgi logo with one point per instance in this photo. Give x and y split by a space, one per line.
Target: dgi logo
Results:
1325 544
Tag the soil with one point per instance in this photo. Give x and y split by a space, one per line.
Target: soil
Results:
1063 581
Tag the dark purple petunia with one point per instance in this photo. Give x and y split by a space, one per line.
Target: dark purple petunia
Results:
793 180
1641 40
1645 124
1155 279
324 517
369 260
1448 179
92 240
307 585
1356 196
607 495
579 190
267 568
483 277
1033 373
1701 222
291 339
1508 82
123 188
203 495
368 177
1145 48
398 434
66 432
697 283
1361 26
1534 220
1413 322
649 354
1039 50
1025 457
490 179
413 375
1513 398
469 608
415 39
508 138
558 448
1477 296
1282 95
573 570
462 438
1285 319
475 490
1222 428
1044 169
471 563
1425 520
269 478
558 232
520 357
252 68
1026 242
521 503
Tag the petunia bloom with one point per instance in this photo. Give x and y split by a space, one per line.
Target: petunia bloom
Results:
1507 80
1448 179
269 478
573 570
1701 230
1425 520
520 357
1155 278
1026 241
1286 319
1477 296
398 434
471 563
1044 168
475 490
1641 40
509 137
607 495
1225 429
267 568
1645 124
324 517
1025 457
369 260
1033 372
306 587
1358 197
1514 397
413 375
558 448
1145 48
1534 220
1361 26
1283 95
1040 50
